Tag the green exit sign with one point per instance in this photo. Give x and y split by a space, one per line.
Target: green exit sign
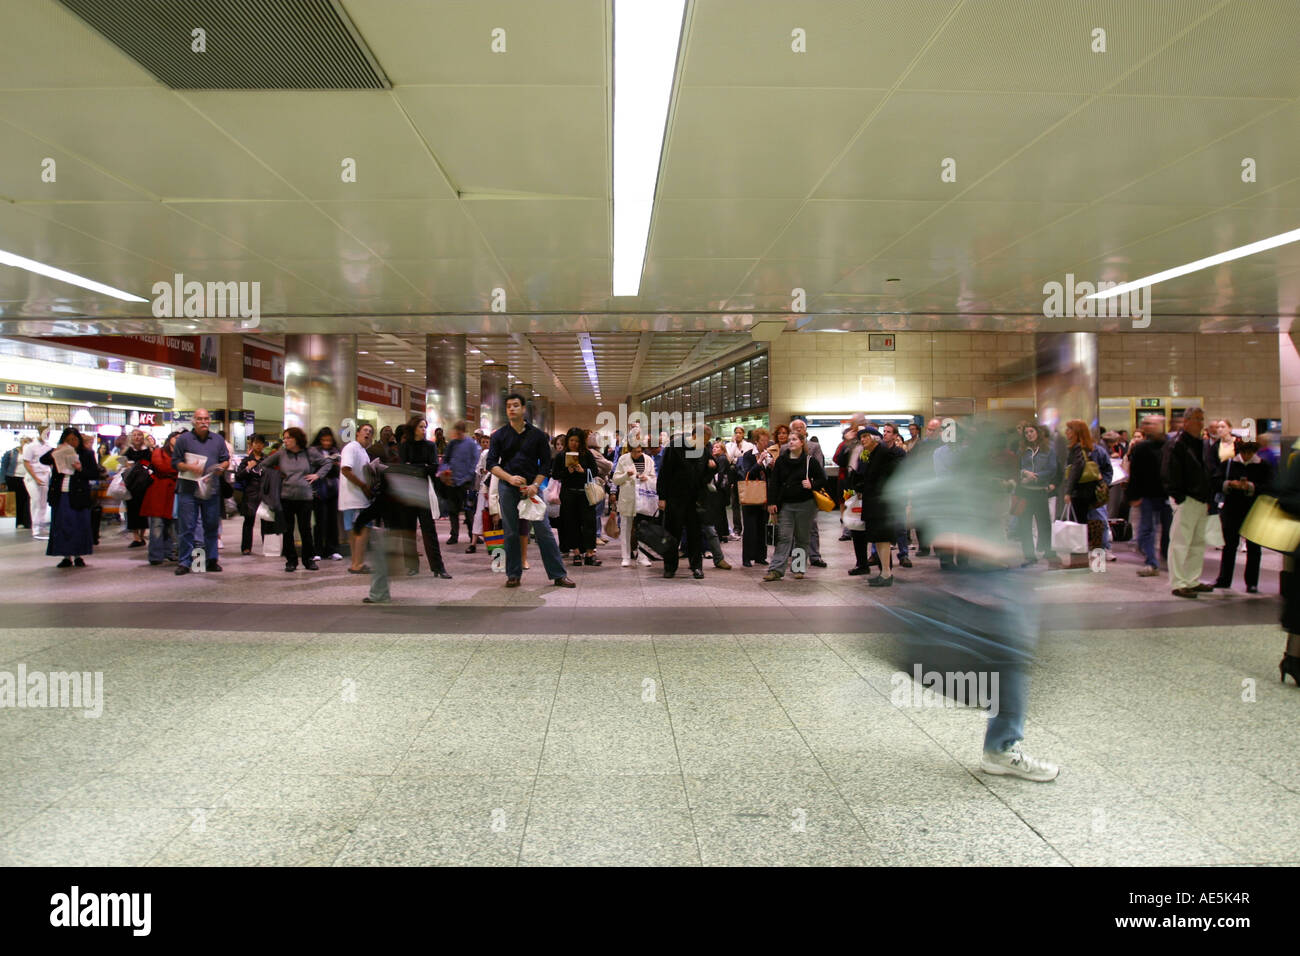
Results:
1150 403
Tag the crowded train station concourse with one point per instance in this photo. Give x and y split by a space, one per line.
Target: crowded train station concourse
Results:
614 432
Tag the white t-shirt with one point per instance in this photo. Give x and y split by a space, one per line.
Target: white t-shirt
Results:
32 454
358 459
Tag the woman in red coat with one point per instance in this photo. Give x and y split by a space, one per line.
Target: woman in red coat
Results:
159 504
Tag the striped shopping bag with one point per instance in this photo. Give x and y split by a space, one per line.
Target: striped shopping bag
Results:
494 538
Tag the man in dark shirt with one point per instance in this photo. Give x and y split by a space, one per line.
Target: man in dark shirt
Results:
685 472
519 455
211 459
1145 488
1186 479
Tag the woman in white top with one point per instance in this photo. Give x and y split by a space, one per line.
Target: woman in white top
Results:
635 469
37 479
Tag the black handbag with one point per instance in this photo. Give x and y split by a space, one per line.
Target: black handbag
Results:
653 537
137 479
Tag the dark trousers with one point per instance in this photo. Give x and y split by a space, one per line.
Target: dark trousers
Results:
753 536
736 522
577 521
861 549
1231 524
326 511
1036 512
22 501
298 512
679 516
133 520
422 517
455 498
246 537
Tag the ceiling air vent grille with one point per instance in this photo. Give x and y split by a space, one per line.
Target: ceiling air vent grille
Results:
247 45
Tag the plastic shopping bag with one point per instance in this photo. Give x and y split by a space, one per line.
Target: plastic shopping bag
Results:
852 517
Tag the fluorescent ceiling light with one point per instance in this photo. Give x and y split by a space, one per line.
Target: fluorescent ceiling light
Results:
363 353
1199 264
40 268
388 361
646 35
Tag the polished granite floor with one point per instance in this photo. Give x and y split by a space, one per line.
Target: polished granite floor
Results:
345 735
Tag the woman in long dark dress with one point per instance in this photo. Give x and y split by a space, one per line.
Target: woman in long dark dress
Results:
754 465
1287 490
136 451
577 525
70 502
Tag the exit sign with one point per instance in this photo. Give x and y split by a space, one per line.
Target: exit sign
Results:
880 343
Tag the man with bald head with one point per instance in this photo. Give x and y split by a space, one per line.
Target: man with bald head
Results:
201 457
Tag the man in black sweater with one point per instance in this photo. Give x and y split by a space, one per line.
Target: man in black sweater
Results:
685 471
1187 480
1147 491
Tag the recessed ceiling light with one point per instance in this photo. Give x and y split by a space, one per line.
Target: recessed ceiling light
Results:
646 38
1241 251
489 362
388 362
410 370
40 268
363 353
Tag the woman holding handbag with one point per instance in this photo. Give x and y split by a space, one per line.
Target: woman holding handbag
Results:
574 467
1087 469
754 469
249 475
1037 470
869 476
634 477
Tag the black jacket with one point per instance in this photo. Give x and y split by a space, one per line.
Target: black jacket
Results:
79 496
785 485
681 477
1182 469
1144 469
870 478
1236 503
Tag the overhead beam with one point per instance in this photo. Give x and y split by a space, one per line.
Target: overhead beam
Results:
642 350
526 344
700 348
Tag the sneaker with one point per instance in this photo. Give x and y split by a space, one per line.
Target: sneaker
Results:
627 562
642 560
798 575
1112 556
336 556
1146 571
1014 762
772 576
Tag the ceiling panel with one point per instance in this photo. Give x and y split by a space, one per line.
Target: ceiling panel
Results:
46 46
722 142
848 44
152 230
422 229
22 160
305 137
718 228
555 43
282 230
542 228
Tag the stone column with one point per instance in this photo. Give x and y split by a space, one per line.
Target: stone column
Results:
1065 378
444 373
492 397
320 381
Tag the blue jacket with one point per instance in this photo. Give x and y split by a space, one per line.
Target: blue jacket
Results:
1042 462
462 459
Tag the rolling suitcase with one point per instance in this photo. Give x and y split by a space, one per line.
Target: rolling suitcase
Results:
653 538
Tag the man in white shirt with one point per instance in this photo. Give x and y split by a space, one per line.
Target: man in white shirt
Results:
354 492
37 479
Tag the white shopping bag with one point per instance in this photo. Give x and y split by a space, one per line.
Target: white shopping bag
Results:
1069 537
1213 532
117 489
647 499
532 509
852 516
272 545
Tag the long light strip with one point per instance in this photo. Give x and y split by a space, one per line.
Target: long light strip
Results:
1199 264
589 359
40 268
646 36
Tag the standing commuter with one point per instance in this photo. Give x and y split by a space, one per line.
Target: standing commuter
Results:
1146 490
136 451
635 470
457 478
300 466
14 471
72 467
790 497
249 475
685 470
814 449
201 459
158 506
1186 479
418 451
755 465
354 493
325 497
1245 476
37 480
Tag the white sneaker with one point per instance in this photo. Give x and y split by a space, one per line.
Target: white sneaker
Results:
642 560
602 540
316 558
1015 762
336 556
627 563
1112 556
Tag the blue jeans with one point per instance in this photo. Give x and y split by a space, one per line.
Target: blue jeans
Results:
1147 529
189 510
509 497
1012 593
162 539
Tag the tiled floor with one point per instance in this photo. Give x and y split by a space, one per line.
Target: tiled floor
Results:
225 741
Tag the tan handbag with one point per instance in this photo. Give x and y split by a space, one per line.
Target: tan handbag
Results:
1269 526
752 492
611 525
